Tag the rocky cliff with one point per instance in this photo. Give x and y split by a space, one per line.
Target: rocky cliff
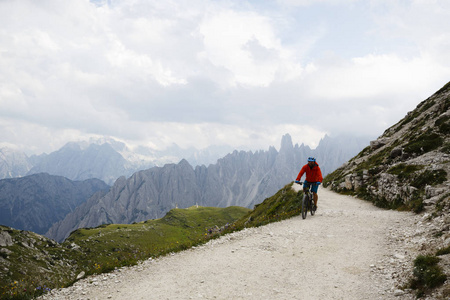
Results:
408 166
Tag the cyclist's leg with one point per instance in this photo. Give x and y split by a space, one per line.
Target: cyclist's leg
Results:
316 198
314 189
306 185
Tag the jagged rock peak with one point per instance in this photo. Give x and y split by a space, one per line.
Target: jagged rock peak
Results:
184 163
286 143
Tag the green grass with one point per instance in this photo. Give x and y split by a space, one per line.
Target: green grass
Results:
416 202
427 274
443 251
285 204
376 159
424 143
441 204
116 245
430 177
337 176
446 148
404 171
443 124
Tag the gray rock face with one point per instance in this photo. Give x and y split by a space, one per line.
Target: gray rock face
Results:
36 202
5 239
240 178
409 163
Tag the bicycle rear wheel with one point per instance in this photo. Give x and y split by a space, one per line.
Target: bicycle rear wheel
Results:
305 206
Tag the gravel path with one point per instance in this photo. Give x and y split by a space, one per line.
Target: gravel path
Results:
348 250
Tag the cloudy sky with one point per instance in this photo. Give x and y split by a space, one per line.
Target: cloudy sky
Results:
212 72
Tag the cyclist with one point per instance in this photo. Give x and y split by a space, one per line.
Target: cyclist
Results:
313 178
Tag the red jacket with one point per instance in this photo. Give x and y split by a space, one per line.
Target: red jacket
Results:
312 174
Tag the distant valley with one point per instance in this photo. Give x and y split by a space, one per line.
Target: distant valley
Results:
36 202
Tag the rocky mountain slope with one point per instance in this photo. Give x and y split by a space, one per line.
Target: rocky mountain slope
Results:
31 264
407 168
409 165
240 178
38 201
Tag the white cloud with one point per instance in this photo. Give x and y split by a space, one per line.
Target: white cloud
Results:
372 76
248 138
198 73
311 2
244 43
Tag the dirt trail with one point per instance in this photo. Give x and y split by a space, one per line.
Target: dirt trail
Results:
337 254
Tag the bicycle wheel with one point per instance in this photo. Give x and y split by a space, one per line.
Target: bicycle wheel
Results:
305 206
312 208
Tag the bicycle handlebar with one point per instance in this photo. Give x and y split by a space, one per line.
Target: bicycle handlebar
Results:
312 183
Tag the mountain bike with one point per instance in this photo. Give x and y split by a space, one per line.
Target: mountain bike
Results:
307 202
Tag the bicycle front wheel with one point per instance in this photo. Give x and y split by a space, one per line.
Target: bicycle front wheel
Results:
313 208
305 206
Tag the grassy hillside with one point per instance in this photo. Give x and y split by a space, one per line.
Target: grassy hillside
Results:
109 246
31 264
285 204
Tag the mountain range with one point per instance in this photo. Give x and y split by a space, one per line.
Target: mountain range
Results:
105 159
108 159
240 178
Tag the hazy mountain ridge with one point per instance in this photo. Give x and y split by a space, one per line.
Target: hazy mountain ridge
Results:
105 159
240 178
13 163
37 201
75 163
